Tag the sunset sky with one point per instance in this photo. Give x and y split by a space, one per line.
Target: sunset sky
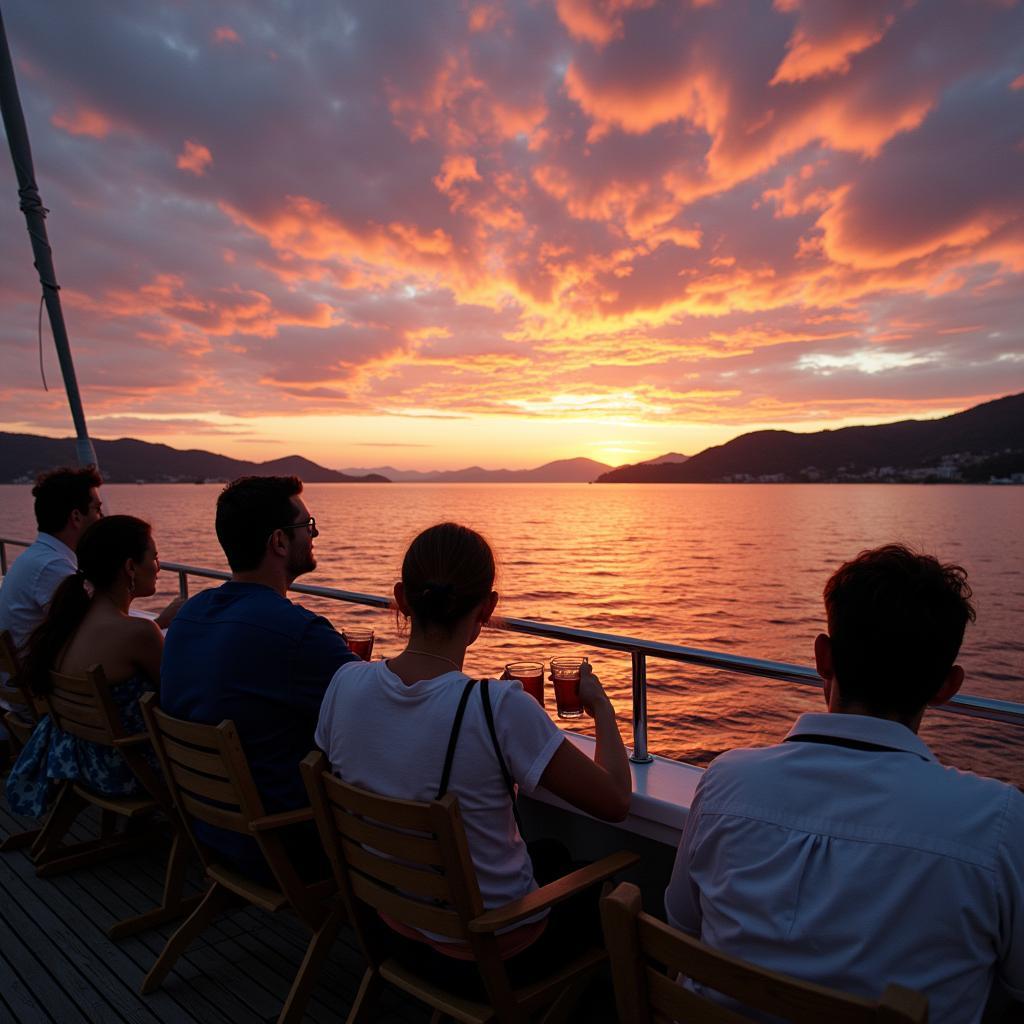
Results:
431 234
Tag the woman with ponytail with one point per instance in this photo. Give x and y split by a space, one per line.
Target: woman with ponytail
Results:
88 624
416 727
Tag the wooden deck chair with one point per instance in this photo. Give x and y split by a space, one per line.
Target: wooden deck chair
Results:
648 954
83 707
22 718
210 781
411 861
19 721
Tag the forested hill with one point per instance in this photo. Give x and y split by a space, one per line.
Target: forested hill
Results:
24 456
981 443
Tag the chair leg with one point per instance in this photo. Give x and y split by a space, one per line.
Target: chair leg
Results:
562 1008
172 905
66 808
366 998
305 979
213 902
18 840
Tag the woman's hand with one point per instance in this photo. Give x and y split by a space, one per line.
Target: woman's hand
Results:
592 695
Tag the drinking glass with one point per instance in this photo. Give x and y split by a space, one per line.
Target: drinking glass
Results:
359 640
565 675
531 675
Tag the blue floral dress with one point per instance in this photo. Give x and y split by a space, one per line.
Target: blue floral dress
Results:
51 756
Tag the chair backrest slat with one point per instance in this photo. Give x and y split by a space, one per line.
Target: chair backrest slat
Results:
408 911
407 860
233 821
205 761
83 707
407 814
671 1002
413 848
205 787
642 948
412 881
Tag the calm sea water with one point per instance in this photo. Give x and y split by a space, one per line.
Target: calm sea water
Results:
737 568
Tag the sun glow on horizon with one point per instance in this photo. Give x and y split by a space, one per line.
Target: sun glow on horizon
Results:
558 223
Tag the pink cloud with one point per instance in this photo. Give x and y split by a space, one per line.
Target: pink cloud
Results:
225 34
194 158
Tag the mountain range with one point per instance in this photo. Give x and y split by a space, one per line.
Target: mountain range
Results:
560 471
976 445
980 444
24 456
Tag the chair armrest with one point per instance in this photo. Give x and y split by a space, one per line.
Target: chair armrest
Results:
552 893
282 820
128 741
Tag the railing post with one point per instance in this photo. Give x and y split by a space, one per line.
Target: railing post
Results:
640 755
3 558
183 584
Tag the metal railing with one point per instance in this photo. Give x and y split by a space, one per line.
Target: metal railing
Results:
639 650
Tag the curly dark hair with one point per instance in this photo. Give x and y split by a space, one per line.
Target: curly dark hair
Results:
896 620
58 493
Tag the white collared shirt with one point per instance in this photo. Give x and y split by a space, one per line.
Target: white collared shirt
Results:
855 867
29 585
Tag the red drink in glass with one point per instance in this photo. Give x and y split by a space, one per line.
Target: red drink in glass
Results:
360 641
531 675
565 674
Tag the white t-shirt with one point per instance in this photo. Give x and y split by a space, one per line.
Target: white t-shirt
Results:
384 736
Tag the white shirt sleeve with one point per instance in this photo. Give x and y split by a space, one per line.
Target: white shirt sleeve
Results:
50 577
1011 896
527 737
682 900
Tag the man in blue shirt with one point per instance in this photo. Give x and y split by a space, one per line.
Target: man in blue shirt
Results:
244 652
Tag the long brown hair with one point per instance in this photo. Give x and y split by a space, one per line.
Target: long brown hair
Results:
102 552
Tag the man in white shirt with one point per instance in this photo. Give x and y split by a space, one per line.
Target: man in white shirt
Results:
67 502
847 855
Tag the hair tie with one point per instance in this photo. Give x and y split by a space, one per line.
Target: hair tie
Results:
439 590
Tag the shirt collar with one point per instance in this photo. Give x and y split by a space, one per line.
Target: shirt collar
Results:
48 540
864 729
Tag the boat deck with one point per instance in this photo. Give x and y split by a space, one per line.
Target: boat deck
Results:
57 964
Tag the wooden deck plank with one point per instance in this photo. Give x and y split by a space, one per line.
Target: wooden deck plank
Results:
20 1003
18 964
202 999
69 942
240 969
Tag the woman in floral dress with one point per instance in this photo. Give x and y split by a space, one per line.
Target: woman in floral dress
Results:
88 624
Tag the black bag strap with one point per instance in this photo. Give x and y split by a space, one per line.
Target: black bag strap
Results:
485 696
453 739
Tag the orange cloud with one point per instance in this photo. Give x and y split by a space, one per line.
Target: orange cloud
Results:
827 37
597 21
194 158
225 34
83 120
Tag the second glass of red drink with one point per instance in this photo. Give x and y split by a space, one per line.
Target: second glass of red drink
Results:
565 675
359 640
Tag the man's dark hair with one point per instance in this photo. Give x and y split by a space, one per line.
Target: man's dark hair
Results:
58 493
249 510
896 619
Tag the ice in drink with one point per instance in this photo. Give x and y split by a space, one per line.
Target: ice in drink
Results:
531 675
565 675
360 641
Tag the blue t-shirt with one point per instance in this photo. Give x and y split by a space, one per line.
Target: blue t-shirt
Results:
242 651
